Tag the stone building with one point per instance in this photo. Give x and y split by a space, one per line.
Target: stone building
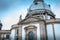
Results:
4 34
34 26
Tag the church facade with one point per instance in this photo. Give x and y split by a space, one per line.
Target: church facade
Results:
34 26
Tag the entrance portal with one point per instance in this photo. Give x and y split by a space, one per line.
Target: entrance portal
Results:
30 36
31 32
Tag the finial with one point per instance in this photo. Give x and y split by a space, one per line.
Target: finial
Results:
20 18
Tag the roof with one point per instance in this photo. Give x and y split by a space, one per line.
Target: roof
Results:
5 31
41 7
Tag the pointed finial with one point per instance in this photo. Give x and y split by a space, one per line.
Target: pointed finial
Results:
20 16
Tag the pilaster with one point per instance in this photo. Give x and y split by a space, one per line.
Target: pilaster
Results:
53 31
42 30
20 32
16 35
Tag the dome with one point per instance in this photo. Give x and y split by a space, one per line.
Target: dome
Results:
38 6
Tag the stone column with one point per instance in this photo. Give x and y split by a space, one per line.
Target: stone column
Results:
46 32
20 32
35 31
42 30
53 31
3 37
15 34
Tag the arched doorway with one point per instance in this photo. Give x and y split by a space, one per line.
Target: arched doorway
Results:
31 36
31 32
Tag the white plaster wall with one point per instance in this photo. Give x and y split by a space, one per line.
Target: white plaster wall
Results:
3 35
38 30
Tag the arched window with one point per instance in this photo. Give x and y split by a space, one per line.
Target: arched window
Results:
30 36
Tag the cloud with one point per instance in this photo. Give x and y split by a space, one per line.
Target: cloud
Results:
8 21
56 10
13 18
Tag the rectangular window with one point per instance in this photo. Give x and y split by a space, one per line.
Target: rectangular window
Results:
7 36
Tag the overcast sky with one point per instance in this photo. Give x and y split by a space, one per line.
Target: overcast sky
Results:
10 10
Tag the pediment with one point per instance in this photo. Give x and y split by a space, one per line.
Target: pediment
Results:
30 20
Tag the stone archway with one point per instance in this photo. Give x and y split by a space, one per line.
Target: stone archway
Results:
30 30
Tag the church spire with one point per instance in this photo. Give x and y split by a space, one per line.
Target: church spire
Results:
38 0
